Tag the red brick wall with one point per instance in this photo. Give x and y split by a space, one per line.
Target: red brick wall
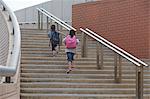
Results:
123 22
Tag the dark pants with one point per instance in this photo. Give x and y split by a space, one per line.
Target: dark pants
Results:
54 45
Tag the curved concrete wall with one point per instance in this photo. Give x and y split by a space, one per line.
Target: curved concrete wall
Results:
7 59
4 38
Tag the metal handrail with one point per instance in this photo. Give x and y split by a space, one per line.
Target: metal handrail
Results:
117 61
110 47
11 70
119 49
58 19
54 19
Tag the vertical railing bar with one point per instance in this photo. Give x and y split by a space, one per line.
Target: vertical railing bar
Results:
39 19
61 36
102 56
120 69
57 25
97 51
115 67
47 23
82 43
7 80
139 82
83 49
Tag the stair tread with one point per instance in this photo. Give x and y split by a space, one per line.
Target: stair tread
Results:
86 95
82 89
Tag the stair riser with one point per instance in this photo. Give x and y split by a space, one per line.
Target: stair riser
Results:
98 81
75 76
80 92
64 66
75 71
78 97
75 86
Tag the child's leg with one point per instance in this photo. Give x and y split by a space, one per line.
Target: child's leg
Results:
69 62
54 49
57 49
72 58
69 65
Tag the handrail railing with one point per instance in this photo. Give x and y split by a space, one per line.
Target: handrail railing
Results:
113 49
116 47
11 70
53 19
58 19
117 69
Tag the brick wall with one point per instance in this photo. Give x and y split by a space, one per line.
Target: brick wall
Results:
123 22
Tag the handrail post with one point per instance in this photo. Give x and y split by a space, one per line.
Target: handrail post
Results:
7 79
61 38
39 19
83 49
57 26
139 82
50 22
120 69
47 22
117 68
97 52
99 49
102 56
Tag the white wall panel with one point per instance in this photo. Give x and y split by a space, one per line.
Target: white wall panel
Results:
57 8
20 15
29 15
35 15
67 10
60 8
78 1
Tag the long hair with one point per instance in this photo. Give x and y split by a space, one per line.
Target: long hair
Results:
52 27
72 33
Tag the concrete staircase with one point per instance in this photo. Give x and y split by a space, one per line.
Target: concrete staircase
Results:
44 76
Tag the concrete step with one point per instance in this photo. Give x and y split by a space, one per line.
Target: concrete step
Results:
61 48
85 76
71 75
58 58
63 66
56 62
54 66
75 71
79 80
78 96
77 62
62 51
35 38
77 85
106 59
79 90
